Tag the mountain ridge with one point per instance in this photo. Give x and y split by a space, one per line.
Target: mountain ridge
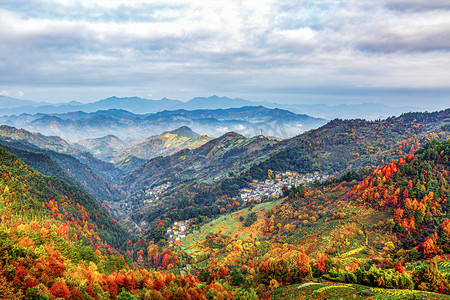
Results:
142 105
130 155
64 166
248 120
105 170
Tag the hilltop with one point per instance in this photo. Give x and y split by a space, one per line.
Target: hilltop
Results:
129 155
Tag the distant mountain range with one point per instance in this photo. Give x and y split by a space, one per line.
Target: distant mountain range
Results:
247 120
11 106
11 103
133 104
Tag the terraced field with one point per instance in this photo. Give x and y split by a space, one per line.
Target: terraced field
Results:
331 291
228 225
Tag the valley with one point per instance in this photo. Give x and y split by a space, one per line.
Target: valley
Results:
350 209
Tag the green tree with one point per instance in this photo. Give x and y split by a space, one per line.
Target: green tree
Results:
251 218
236 277
125 295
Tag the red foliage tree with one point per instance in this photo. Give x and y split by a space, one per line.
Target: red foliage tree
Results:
399 268
322 264
223 272
60 290
76 294
165 260
158 285
303 266
405 193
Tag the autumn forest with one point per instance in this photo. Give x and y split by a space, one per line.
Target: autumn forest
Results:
177 227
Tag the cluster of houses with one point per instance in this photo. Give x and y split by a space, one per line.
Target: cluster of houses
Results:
272 187
269 187
178 230
152 195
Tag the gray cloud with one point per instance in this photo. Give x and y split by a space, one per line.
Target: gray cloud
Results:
418 5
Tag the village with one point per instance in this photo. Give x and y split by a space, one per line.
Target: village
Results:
268 187
178 230
153 194
272 187
142 199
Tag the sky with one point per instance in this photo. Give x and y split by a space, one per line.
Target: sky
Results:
395 52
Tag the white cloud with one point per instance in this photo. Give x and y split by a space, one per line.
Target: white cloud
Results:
20 94
231 46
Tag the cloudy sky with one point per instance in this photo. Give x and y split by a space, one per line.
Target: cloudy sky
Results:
388 51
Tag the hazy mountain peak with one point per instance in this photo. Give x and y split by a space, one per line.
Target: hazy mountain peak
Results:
215 101
213 97
73 102
112 137
231 134
123 98
185 131
165 99
108 137
10 102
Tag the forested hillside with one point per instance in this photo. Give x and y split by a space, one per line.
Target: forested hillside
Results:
231 151
384 233
130 154
161 145
378 227
57 144
199 189
52 197
344 145
58 243
63 166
